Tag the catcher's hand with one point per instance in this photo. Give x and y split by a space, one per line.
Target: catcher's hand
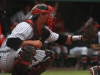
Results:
88 30
95 46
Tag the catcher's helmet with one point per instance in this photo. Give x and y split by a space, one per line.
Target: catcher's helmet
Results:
43 8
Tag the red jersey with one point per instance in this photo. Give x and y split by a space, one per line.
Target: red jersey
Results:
2 38
59 26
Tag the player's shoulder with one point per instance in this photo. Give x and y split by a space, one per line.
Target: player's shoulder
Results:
24 24
19 12
29 12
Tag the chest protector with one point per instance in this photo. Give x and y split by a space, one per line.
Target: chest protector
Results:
24 59
42 35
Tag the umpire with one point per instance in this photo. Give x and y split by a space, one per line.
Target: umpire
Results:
20 52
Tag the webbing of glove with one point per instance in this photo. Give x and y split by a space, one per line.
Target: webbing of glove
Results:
88 30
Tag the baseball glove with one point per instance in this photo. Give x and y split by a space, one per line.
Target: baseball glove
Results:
88 30
95 46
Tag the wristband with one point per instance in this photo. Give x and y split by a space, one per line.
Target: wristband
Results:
76 38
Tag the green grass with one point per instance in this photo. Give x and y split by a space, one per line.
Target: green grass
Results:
63 73
66 73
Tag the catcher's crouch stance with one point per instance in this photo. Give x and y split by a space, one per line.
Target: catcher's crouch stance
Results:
19 52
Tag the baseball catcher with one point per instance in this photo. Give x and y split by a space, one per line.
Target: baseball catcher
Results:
21 53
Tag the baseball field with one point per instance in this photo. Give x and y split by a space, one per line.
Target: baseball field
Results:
63 71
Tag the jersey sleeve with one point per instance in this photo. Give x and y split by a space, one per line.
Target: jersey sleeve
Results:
53 36
57 38
22 31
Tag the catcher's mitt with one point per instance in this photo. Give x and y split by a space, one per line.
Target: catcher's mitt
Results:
95 46
88 30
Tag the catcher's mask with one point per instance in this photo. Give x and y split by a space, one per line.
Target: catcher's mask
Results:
43 8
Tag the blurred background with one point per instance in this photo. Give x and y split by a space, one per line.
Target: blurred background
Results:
73 12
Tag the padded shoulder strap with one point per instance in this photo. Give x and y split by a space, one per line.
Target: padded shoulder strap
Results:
30 21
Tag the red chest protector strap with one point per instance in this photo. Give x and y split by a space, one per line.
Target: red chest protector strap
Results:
31 22
39 35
